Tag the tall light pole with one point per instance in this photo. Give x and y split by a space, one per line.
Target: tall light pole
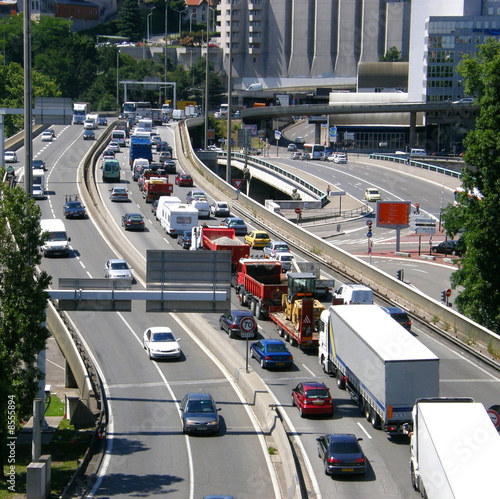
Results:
147 22
118 80
180 12
229 92
205 144
166 37
191 21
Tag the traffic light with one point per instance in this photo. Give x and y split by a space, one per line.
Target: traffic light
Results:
443 296
400 274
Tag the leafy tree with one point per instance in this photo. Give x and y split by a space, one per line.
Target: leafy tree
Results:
130 21
23 301
479 271
392 55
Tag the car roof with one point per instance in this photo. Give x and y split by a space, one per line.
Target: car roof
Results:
160 329
313 384
199 396
242 313
271 341
393 310
116 260
342 437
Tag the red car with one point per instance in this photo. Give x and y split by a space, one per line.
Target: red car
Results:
184 180
312 398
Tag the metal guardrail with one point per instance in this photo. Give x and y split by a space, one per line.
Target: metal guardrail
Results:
418 164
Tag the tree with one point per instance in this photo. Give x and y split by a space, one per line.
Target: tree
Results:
23 301
130 21
392 55
477 215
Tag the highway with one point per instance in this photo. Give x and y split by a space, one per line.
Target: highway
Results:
147 452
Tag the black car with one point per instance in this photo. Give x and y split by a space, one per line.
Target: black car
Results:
239 226
185 239
341 454
133 221
170 166
38 164
451 247
102 121
400 316
199 413
74 209
231 322
88 135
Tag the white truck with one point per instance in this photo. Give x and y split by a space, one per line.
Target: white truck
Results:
91 121
79 113
323 285
382 365
454 449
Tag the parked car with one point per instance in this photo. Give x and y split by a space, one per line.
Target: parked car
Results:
118 194
88 134
341 454
273 247
312 398
372 194
220 209
257 238
400 316
47 136
271 353
238 224
199 413
160 343
10 157
74 209
185 239
450 247
230 322
116 268
291 147
133 221
184 180
38 164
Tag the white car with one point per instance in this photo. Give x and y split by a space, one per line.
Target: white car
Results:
114 146
47 137
160 343
340 158
38 192
372 194
220 209
117 268
10 157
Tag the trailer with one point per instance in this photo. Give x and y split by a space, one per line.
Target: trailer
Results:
297 318
157 117
323 285
221 239
382 365
177 218
259 283
140 147
156 187
454 449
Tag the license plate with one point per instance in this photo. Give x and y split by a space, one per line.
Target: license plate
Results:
318 402
347 469
280 363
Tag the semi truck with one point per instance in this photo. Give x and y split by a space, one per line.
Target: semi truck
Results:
157 117
382 365
140 147
156 187
259 284
79 113
323 285
221 239
454 449
297 318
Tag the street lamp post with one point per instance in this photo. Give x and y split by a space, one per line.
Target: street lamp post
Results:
118 80
191 21
147 23
229 93
180 12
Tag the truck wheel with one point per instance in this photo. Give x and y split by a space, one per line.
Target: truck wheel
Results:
375 420
286 337
414 483
340 381
281 332
293 342
367 411
258 311
252 307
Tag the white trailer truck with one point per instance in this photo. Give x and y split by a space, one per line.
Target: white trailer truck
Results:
79 113
454 450
382 365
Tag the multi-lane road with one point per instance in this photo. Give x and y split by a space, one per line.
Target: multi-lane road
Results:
147 453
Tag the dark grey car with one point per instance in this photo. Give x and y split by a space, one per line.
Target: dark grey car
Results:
199 413
231 322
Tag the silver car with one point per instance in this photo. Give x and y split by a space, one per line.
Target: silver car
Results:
117 269
199 413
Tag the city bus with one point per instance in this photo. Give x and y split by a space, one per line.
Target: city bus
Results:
316 151
134 109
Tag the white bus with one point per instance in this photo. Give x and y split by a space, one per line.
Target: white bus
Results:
316 151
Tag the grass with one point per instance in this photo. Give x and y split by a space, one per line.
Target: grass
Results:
67 448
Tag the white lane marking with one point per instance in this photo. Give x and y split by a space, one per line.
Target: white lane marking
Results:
364 431
307 369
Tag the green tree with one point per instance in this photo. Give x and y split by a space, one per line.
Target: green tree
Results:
477 215
130 21
23 301
392 55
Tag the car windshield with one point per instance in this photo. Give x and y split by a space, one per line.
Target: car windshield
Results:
200 406
261 236
286 258
73 204
317 393
57 236
281 247
344 448
119 266
276 348
165 336
237 222
119 191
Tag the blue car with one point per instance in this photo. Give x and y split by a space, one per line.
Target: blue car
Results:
271 353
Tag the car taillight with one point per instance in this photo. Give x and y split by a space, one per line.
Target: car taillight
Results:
360 460
234 326
290 357
331 460
268 357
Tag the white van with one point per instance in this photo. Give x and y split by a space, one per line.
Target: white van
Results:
56 239
145 124
418 152
178 114
354 294
254 86
119 136
176 218
203 207
143 162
